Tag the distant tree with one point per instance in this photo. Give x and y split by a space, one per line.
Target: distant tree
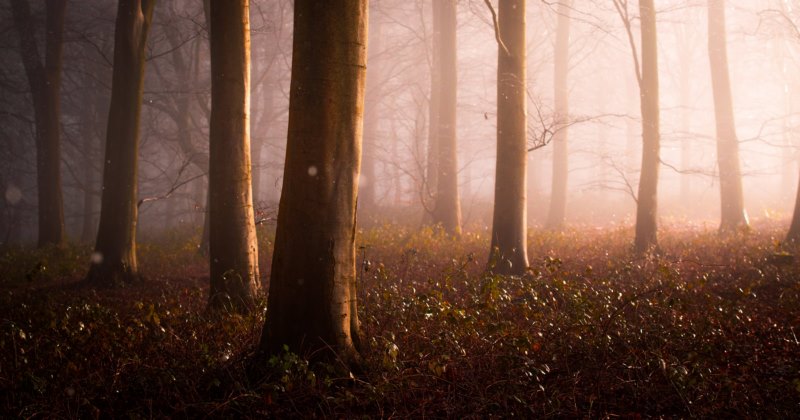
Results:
793 236
732 215
509 223
114 259
45 84
312 294
431 177
180 107
447 205
233 252
558 197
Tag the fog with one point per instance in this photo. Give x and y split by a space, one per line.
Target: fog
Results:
603 123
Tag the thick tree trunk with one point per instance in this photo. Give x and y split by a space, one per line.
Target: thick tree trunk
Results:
114 259
647 198
558 197
510 221
312 294
233 253
732 212
447 206
45 84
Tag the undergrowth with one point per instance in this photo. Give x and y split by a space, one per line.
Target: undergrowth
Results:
705 327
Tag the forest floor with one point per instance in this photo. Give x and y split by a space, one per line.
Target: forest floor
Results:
708 327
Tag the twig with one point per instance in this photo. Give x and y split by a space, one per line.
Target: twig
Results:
497 28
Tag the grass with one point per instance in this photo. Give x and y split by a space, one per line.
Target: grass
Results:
707 327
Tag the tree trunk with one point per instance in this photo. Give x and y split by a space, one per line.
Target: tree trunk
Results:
312 295
510 221
558 197
431 178
730 177
794 229
447 206
45 84
233 253
114 259
647 198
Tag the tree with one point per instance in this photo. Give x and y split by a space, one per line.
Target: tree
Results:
647 78
447 206
232 248
647 197
509 223
45 83
793 236
558 198
730 178
114 259
312 293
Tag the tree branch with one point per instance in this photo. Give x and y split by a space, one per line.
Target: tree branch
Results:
497 28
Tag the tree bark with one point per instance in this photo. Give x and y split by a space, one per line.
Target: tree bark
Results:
114 260
431 178
647 198
510 221
558 197
447 206
45 84
312 296
233 253
732 214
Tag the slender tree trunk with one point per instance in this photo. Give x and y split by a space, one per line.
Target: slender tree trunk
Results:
45 84
558 200
732 215
202 248
447 207
647 198
431 179
794 229
114 260
233 252
510 221
312 297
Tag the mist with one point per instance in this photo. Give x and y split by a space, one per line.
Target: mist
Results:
400 198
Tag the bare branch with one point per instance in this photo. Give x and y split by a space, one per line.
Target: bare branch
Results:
622 10
497 28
